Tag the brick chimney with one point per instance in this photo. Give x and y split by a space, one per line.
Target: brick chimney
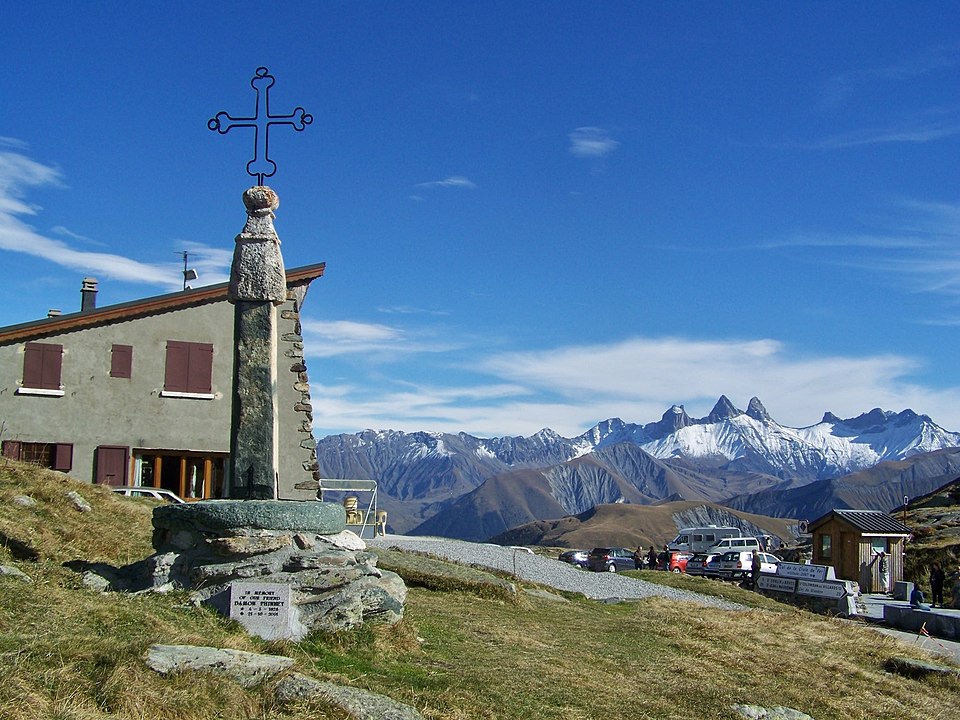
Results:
88 295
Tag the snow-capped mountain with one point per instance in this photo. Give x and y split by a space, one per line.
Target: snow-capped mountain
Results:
726 453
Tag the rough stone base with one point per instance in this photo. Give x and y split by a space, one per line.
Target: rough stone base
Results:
335 583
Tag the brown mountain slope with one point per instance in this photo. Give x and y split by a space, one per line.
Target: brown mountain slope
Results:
628 525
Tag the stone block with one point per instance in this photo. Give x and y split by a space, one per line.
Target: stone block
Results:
217 515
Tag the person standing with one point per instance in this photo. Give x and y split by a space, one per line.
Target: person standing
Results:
937 578
754 570
638 558
652 559
884 573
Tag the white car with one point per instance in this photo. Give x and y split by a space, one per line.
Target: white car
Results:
148 492
738 564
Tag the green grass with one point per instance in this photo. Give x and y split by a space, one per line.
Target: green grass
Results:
467 647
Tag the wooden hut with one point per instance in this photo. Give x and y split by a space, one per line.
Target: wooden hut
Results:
852 540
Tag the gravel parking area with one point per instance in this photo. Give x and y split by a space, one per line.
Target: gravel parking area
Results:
545 571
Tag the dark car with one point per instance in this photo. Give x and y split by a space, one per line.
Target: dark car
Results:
697 564
611 559
574 557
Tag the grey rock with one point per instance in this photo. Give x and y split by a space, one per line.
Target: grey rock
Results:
778 712
78 502
14 572
912 668
24 501
245 668
359 704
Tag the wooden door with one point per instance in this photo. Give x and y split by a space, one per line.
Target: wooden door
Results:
112 465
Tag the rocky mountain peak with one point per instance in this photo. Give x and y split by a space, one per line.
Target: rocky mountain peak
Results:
722 410
757 411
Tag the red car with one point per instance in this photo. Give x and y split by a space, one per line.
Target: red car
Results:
678 561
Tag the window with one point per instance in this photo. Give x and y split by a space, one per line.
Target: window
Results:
41 369
56 456
879 545
826 551
189 369
121 361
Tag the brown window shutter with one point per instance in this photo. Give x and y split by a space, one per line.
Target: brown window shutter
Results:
201 368
121 361
11 449
33 365
42 363
177 367
63 457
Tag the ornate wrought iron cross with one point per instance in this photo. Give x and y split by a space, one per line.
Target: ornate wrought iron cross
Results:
261 166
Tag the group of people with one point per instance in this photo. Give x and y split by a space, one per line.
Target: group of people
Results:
651 560
938 580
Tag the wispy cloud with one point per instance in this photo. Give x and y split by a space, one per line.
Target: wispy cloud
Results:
454 181
570 388
376 342
20 174
839 88
918 248
908 132
591 142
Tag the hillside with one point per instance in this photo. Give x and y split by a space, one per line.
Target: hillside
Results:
881 487
632 525
70 653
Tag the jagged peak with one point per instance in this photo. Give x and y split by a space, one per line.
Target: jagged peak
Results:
757 411
674 419
722 410
829 417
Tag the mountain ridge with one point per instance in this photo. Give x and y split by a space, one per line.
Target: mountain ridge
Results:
727 454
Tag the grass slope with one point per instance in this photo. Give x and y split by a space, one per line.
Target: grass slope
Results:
466 648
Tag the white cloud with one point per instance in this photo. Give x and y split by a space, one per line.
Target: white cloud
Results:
19 174
377 343
454 181
571 388
591 142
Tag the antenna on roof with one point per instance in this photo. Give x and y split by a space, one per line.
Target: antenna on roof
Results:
188 274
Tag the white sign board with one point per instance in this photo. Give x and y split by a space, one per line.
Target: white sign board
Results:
779 584
822 589
801 571
262 608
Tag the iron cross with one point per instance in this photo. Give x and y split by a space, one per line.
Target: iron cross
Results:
261 166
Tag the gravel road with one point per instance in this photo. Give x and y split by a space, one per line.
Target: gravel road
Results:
545 571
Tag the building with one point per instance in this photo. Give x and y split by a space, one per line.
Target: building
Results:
852 540
140 393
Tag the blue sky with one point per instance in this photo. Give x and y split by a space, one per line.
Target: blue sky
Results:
533 214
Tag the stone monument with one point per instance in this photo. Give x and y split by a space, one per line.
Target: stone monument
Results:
257 286
279 567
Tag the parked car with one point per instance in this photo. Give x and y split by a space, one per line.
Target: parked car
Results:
738 564
697 564
575 557
678 561
148 492
610 559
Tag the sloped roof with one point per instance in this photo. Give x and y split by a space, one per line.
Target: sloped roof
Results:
866 521
139 308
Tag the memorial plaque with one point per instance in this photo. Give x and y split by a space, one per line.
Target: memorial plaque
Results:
822 589
801 571
262 608
779 584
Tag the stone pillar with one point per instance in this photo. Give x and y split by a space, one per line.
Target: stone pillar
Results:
257 286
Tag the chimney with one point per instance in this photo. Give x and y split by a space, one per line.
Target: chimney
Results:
88 295
53 312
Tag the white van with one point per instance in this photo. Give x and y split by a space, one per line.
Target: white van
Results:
736 543
701 539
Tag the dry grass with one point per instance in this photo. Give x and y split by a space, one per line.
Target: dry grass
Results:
461 652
